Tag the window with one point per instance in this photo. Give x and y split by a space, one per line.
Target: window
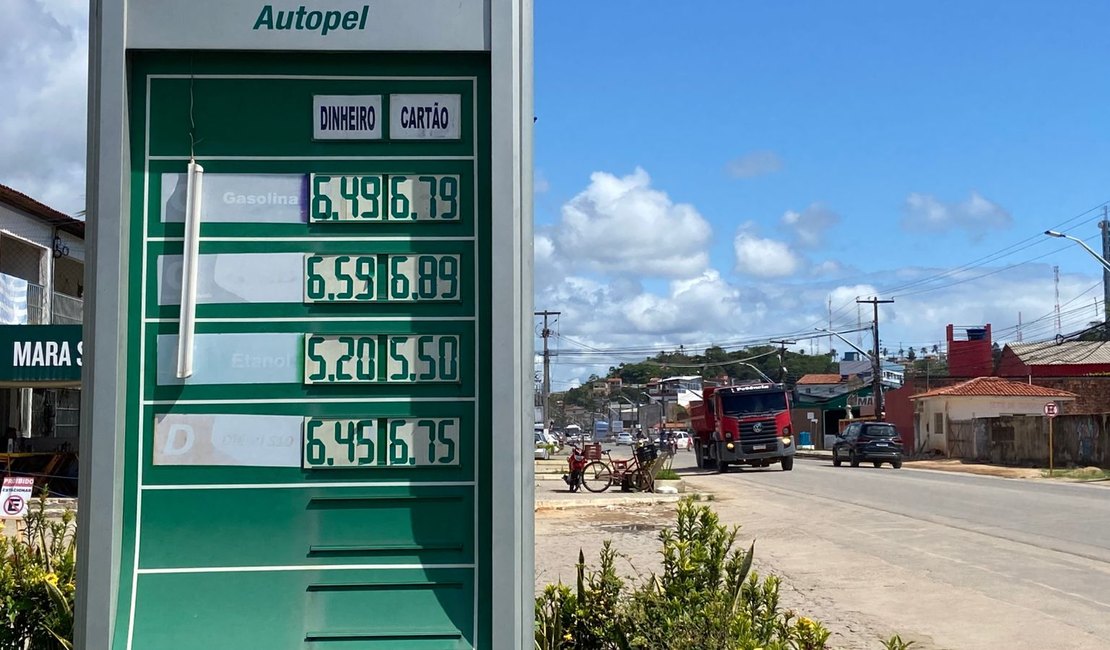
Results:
938 423
880 431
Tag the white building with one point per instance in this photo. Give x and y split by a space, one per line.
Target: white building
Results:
936 411
42 267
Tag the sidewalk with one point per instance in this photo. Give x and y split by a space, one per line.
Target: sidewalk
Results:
552 492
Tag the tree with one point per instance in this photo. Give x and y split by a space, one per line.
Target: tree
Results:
912 355
936 349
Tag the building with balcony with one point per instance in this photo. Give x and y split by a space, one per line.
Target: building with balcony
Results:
42 268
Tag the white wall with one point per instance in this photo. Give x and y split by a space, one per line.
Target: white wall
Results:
26 227
966 408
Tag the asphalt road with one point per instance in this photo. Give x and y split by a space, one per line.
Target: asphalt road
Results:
950 560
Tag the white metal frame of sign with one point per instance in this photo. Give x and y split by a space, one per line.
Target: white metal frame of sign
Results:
501 27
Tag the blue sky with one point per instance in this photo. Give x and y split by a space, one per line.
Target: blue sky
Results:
911 138
716 172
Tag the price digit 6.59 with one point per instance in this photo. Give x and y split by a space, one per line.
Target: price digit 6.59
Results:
339 278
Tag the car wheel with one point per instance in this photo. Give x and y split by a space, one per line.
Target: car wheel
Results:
787 463
722 467
896 464
853 460
877 463
836 457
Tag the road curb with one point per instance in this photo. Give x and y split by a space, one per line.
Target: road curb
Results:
602 502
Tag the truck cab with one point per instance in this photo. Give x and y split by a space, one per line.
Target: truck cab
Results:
743 425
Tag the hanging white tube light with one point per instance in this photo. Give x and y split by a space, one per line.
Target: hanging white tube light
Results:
190 255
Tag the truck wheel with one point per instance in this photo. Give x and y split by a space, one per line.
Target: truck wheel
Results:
877 463
722 467
787 463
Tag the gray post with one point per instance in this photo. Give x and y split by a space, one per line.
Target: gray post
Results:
99 513
1104 225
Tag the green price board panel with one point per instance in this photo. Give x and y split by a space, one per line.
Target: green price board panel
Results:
321 479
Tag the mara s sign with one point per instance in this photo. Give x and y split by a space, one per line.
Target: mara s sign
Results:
40 353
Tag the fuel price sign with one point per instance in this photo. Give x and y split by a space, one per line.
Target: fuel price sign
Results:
391 197
362 443
323 295
356 278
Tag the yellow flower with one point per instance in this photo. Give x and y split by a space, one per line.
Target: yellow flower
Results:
52 578
568 637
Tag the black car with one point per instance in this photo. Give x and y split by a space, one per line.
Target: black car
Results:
874 442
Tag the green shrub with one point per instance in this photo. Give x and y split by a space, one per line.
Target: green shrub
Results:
37 582
667 475
704 598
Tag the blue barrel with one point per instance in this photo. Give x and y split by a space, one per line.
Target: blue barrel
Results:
803 439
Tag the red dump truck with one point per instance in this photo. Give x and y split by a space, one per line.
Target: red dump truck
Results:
743 425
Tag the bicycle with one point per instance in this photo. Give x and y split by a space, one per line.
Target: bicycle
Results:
630 473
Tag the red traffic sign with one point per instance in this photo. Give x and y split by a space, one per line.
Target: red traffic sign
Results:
1051 410
13 505
15 492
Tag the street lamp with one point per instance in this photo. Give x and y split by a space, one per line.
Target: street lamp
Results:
765 377
1101 259
837 335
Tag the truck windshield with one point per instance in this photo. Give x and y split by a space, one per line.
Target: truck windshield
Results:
748 403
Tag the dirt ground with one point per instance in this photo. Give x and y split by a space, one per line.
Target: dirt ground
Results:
951 465
633 531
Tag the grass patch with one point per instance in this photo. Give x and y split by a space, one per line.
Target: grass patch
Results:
1082 473
668 475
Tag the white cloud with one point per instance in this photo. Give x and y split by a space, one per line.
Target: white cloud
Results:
827 268
755 163
622 225
43 75
810 225
976 215
540 183
764 258
706 309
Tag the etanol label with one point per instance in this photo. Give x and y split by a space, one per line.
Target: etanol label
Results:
346 117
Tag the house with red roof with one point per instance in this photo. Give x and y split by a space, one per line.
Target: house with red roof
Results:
941 414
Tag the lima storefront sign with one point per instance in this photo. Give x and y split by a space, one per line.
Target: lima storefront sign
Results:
40 353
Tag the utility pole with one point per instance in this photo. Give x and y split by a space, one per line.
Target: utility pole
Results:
876 360
782 358
1104 225
546 390
830 326
1056 282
